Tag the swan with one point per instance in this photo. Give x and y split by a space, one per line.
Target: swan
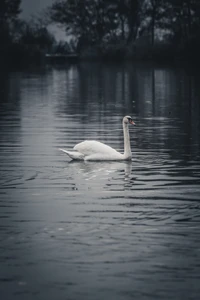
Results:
94 150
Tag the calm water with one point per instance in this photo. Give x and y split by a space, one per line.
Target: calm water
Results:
76 230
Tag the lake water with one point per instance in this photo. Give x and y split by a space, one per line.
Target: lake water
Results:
100 230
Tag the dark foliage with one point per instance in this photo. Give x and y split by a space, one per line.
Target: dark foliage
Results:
21 41
112 29
101 24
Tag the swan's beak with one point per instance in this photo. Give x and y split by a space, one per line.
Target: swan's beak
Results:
131 122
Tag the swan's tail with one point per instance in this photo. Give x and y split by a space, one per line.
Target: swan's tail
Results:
73 154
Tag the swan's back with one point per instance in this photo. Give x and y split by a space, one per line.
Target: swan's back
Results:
94 147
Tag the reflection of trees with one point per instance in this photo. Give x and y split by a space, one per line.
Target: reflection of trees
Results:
97 91
10 118
165 100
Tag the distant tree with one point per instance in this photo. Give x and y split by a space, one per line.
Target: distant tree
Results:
128 17
90 20
186 18
30 42
154 10
156 16
133 10
34 36
180 17
61 47
9 12
107 23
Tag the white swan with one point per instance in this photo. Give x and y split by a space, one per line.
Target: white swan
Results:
94 150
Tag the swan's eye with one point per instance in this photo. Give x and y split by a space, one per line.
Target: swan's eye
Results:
130 120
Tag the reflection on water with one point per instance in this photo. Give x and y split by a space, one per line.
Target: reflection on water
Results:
100 175
100 230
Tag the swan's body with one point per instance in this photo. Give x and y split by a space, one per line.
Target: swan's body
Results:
94 150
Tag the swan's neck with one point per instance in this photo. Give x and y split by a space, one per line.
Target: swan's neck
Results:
127 147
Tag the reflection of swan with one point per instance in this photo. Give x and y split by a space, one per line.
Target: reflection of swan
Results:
93 150
92 170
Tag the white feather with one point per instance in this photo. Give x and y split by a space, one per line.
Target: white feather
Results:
73 154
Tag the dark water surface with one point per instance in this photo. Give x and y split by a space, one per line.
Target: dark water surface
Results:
104 230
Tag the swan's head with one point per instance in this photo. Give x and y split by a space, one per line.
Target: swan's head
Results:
128 120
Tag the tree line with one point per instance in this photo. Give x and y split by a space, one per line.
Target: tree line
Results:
130 23
21 40
143 29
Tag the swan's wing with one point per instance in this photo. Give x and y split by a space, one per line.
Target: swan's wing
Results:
73 154
94 147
